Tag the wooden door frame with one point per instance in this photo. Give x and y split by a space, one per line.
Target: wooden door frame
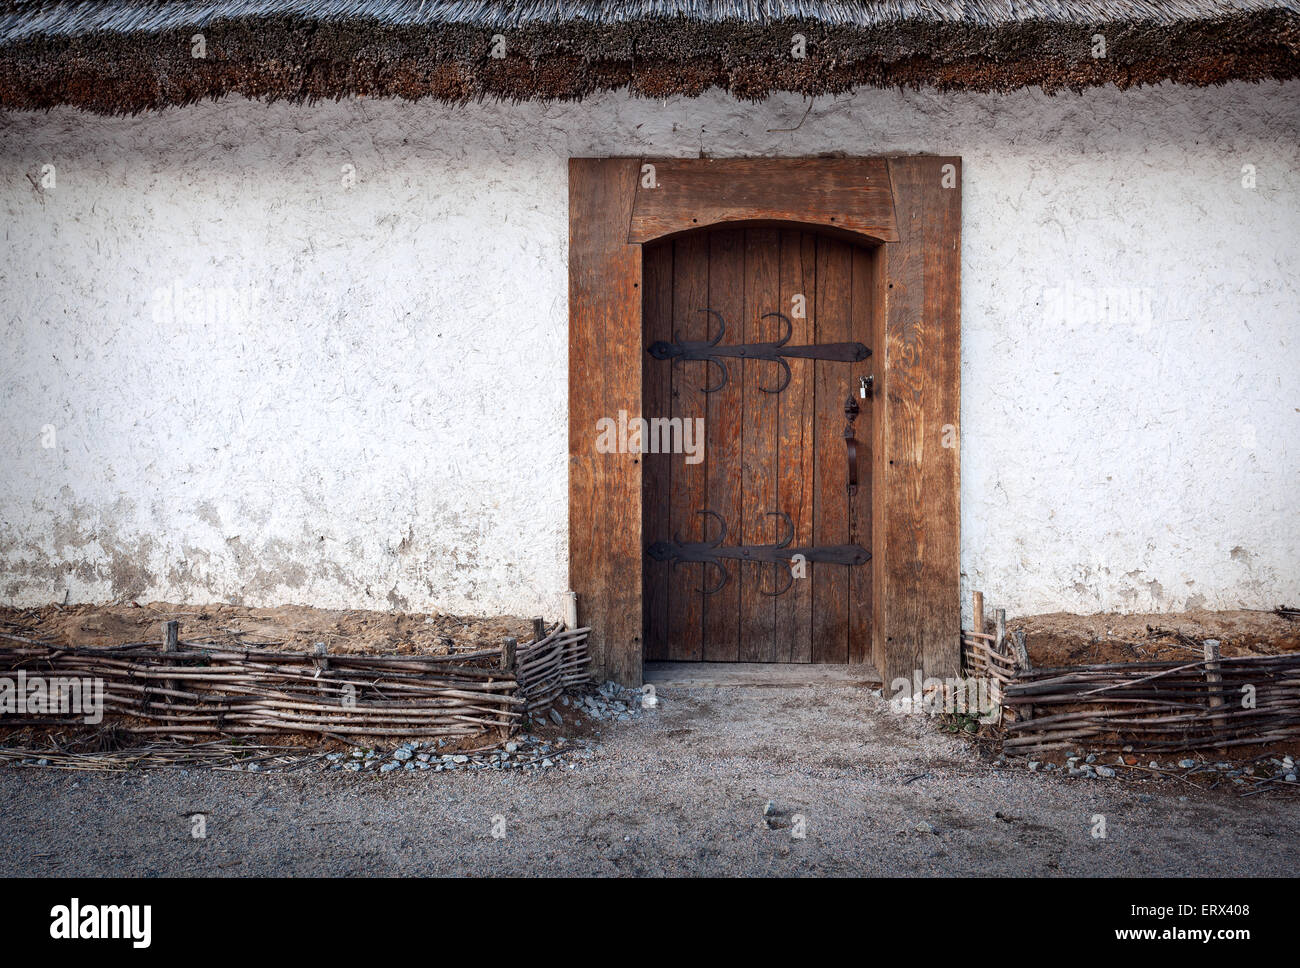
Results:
910 207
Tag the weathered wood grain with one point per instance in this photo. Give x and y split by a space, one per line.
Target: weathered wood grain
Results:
793 632
656 380
849 194
759 445
860 584
834 382
920 462
725 460
604 376
690 482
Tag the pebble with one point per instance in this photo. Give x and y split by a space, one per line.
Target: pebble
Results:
1186 764
556 718
1105 771
924 828
1290 778
388 767
402 754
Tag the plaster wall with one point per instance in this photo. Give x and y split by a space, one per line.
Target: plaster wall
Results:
317 354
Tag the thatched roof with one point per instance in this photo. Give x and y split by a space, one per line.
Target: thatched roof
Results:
126 55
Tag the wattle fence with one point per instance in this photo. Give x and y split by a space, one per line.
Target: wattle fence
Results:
196 690
1145 707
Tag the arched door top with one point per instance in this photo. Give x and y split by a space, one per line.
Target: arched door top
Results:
849 196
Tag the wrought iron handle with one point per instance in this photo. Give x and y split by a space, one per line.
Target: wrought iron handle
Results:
851 442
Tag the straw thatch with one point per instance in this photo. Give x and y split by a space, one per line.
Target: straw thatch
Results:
117 56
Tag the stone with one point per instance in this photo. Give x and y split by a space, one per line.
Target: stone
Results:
352 767
924 828
556 718
402 754
1290 778
1105 771
389 767
1033 766
460 758
1186 764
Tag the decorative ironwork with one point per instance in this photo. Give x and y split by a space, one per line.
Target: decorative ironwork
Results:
780 554
710 351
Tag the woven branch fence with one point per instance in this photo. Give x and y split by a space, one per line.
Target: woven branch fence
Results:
192 690
1152 707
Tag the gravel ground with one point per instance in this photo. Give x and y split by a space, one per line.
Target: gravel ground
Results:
681 789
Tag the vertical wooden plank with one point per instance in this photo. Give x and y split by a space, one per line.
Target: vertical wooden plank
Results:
727 296
879 480
798 277
690 482
941 489
657 279
923 335
860 584
604 375
759 446
830 616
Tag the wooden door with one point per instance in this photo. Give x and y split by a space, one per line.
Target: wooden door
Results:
766 455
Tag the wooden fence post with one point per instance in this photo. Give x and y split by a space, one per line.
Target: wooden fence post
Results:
321 663
977 609
171 643
539 629
509 652
571 616
1214 678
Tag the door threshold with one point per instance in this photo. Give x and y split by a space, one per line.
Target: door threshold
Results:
705 675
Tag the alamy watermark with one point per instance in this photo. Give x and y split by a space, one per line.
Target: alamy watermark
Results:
656 435
24 695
